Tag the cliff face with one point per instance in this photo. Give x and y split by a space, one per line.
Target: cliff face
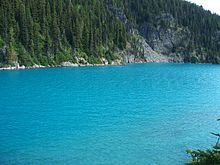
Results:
217 38
169 36
140 51
163 41
165 36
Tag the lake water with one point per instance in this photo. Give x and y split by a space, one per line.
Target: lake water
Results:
143 114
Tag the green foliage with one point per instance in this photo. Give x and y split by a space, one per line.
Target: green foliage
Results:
11 52
64 55
107 54
1 42
49 32
81 54
23 56
209 157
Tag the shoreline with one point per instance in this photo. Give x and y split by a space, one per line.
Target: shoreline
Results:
71 65
56 66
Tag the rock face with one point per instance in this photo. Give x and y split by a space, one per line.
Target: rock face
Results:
68 64
217 38
118 12
37 66
163 41
165 36
147 52
140 51
104 61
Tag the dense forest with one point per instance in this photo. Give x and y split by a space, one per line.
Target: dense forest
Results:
49 32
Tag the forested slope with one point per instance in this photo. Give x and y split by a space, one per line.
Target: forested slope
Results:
49 32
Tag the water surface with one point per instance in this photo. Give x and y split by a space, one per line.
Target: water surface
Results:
146 114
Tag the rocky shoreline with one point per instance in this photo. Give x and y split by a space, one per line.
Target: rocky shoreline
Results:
62 65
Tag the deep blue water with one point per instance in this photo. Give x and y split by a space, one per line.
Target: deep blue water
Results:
146 114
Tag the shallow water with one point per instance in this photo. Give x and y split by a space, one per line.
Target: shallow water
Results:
143 114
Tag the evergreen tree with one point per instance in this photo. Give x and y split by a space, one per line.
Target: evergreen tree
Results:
11 53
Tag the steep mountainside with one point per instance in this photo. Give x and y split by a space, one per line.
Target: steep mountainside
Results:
179 30
106 31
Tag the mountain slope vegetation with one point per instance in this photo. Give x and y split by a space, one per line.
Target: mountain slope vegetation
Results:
49 32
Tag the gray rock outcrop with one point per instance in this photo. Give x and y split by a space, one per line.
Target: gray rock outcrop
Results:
165 36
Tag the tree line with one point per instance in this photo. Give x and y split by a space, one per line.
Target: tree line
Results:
48 32
51 31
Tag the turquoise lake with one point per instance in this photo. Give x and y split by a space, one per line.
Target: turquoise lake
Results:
141 114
